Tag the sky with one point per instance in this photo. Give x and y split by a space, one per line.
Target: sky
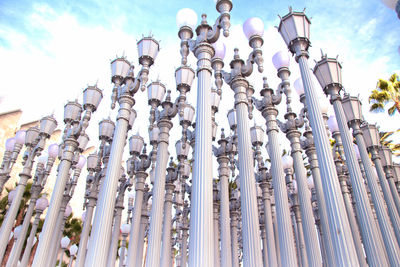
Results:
51 50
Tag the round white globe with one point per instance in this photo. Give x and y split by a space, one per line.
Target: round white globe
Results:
281 59
298 86
186 17
253 26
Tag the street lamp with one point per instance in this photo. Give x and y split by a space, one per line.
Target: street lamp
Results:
352 108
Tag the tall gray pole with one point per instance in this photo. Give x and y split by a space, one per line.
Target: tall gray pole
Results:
394 217
80 258
224 173
345 253
144 221
165 260
136 219
290 128
250 222
269 228
185 235
17 248
392 185
201 252
112 253
155 230
389 238
308 144
29 242
25 175
286 240
234 206
368 229
217 249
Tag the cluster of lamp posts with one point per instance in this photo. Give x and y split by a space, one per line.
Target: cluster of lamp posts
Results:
345 214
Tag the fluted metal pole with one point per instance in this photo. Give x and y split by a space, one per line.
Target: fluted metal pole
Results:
185 235
392 186
155 230
123 252
342 170
217 249
112 253
45 241
144 220
165 260
136 220
80 258
17 248
100 239
389 237
224 172
300 233
250 222
345 253
269 227
28 247
312 159
234 234
286 239
394 216
375 255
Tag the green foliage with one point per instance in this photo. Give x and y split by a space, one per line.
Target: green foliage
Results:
385 141
387 91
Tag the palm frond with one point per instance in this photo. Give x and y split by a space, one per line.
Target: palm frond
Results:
392 110
377 107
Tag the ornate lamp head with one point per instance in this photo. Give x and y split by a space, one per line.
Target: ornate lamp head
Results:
72 112
329 73
119 69
92 97
47 125
106 129
136 143
352 108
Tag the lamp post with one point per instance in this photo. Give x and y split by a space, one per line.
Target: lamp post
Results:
201 226
371 137
387 164
13 147
295 29
223 174
234 211
125 229
253 29
101 230
75 127
34 141
309 147
119 206
393 4
144 223
290 128
286 241
41 204
39 180
72 252
139 167
352 107
64 244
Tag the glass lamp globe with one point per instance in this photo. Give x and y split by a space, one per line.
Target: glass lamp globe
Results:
281 59
132 117
81 162
53 150
31 135
332 124
42 203
154 134
106 129
232 118
47 125
10 142
324 104
73 249
83 140
215 99
188 113
390 3
156 91
20 137
42 159
220 49
186 17
298 86
65 242
125 228
287 162
68 211
92 160
253 26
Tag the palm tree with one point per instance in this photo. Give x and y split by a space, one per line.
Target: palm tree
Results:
387 91
389 143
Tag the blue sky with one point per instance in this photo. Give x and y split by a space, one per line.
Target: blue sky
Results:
50 50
